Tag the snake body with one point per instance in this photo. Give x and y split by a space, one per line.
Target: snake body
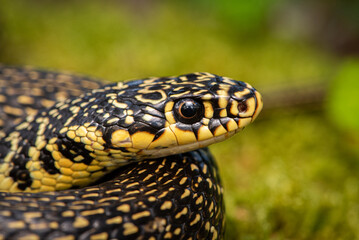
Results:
148 133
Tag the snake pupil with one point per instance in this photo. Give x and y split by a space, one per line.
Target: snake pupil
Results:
189 109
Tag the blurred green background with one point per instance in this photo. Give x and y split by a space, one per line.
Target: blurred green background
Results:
293 174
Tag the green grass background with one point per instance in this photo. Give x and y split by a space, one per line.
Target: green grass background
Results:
292 174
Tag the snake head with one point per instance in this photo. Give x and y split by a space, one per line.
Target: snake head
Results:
171 115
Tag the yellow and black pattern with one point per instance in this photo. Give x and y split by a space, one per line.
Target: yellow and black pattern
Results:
168 198
25 90
77 141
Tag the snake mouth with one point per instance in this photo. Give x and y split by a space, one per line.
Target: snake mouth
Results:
157 153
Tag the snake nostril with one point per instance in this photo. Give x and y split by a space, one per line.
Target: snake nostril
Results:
242 106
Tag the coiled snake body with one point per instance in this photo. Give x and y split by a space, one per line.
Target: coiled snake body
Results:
150 134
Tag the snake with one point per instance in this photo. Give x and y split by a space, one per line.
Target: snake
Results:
81 158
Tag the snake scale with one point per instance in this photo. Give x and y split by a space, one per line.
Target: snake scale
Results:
80 159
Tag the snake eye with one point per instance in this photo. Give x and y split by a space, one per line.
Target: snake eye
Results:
188 110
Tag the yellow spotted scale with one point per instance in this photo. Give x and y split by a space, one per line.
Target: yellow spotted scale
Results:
78 140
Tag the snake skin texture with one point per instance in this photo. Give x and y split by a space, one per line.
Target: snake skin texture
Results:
83 160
